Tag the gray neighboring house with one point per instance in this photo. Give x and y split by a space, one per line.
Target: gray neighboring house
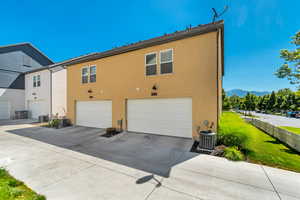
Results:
15 60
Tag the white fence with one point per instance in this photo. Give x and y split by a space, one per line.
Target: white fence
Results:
289 138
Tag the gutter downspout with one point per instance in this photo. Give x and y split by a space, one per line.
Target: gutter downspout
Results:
50 93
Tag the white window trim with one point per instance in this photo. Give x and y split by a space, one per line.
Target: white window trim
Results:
156 63
172 61
88 74
38 80
34 81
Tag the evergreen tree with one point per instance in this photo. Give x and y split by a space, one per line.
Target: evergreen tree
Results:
272 102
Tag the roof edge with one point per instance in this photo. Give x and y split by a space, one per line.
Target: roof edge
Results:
178 35
31 45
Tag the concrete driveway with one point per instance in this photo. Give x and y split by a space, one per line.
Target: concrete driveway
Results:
60 171
151 153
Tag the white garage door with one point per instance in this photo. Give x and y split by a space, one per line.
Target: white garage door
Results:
37 108
4 110
94 114
172 117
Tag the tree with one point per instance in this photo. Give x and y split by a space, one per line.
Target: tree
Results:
250 102
282 99
272 103
235 101
225 101
262 103
291 67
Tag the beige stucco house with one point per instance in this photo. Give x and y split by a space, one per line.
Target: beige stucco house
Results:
167 85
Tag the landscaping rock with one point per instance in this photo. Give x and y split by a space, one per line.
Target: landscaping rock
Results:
218 151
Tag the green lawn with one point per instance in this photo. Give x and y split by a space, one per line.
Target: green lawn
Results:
12 189
261 148
291 129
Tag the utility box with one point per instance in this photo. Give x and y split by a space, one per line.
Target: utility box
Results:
21 114
43 118
207 141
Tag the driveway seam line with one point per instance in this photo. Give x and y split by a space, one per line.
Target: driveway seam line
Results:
150 193
67 177
187 194
174 190
271 182
226 179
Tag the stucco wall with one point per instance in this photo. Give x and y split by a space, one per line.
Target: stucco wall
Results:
15 97
220 71
118 77
41 94
59 93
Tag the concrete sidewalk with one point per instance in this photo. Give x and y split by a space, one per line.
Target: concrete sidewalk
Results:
64 174
278 120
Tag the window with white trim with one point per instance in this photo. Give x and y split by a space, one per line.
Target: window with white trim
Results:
88 74
92 74
85 75
151 62
34 81
38 81
166 61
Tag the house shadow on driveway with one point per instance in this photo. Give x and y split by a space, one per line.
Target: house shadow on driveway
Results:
151 153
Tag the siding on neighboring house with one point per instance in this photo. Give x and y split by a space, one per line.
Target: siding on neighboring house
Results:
14 97
18 61
59 93
14 61
38 95
50 97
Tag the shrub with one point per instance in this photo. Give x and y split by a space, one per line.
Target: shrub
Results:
14 183
39 197
3 172
232 153
16 192
233 139
54 123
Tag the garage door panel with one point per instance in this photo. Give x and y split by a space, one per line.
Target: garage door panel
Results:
171 117
96 114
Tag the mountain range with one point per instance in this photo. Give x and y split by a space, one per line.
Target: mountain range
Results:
242 93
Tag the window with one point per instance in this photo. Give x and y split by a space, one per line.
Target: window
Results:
34 81
88 74
93 74
166 61
85 75
151 62
38 81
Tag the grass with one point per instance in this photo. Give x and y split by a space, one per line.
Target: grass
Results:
260 147
12 189
291 129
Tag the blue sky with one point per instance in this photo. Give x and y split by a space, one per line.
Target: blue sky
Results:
255 30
